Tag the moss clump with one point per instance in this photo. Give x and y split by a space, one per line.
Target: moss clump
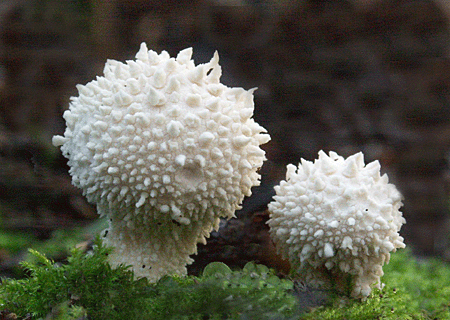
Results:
414 290
87 280
254 292
88 285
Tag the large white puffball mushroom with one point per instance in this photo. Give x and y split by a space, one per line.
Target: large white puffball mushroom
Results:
164 150
337 217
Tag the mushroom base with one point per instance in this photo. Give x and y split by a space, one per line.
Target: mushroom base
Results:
153 248
353 276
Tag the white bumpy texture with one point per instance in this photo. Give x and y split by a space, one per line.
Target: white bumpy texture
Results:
164 150
337 217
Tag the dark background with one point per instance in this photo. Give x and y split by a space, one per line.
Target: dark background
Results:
346 76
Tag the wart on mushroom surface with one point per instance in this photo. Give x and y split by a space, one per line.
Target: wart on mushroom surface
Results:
337 215
164 149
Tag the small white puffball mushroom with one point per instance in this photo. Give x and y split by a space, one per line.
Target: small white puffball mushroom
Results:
164 150
337 216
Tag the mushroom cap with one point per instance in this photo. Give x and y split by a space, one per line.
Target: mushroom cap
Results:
339 215
164 136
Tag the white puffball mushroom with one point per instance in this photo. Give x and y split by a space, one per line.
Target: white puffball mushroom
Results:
337 216
164 150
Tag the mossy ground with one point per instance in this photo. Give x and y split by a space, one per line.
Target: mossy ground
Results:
86 287
413 290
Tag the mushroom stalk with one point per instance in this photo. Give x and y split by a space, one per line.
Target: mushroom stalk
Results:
153 247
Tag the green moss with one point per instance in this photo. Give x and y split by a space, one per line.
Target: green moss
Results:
414 290
87 283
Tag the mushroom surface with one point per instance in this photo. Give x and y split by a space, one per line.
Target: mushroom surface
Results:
336 218
164 150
